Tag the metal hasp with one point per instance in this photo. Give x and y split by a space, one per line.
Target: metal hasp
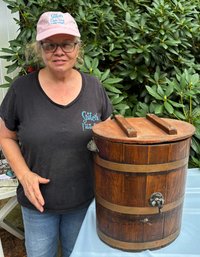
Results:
91 146
157 200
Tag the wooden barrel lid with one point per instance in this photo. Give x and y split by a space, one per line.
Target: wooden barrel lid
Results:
141 130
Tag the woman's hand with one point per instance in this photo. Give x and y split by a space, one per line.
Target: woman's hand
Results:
31 185
29 180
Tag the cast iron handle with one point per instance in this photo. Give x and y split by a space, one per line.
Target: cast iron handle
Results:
157 200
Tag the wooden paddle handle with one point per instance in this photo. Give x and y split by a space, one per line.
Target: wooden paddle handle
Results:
162 124
130 131
125 126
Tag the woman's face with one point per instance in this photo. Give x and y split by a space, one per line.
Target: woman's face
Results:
60 52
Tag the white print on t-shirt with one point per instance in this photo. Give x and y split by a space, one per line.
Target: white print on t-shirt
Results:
89 119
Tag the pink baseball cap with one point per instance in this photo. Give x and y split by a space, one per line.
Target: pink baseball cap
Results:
52 23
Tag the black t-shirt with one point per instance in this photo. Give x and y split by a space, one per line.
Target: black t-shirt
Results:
53 138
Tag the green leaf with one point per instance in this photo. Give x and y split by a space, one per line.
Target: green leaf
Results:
169 90
6 57
112 80
7 50
95 63
195 145
168 107
132 51
87 61
172 42
112 89
111 47
195 78
105 75
97 73
179 115
196 112
6 85
157 74
197 132
128 16
121 107
158 109
133 75
117 100
12 67
160 90
8 79
164 45
175 104
153 93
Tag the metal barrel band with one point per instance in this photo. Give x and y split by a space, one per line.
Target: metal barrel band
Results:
133 246
137 210
123 167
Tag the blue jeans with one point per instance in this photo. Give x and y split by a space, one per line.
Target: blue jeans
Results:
43 231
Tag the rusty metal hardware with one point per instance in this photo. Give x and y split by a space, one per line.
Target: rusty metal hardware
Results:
157 200
91 146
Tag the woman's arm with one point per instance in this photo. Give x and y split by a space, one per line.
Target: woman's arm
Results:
28 179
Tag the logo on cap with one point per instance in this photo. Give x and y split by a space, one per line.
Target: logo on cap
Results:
56 19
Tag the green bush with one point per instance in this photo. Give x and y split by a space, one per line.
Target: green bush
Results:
145 52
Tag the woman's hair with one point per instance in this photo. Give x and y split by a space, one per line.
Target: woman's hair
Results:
33 54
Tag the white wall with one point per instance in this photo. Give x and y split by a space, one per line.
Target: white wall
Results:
8 31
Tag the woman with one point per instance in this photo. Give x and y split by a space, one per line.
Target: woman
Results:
46 121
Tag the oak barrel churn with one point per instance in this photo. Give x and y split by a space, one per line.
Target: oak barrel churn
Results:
140 174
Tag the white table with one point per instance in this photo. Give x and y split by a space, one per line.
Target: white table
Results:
187 243
8 192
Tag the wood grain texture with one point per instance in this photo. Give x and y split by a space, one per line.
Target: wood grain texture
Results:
127 173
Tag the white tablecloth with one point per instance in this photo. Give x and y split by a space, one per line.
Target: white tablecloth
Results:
187 243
